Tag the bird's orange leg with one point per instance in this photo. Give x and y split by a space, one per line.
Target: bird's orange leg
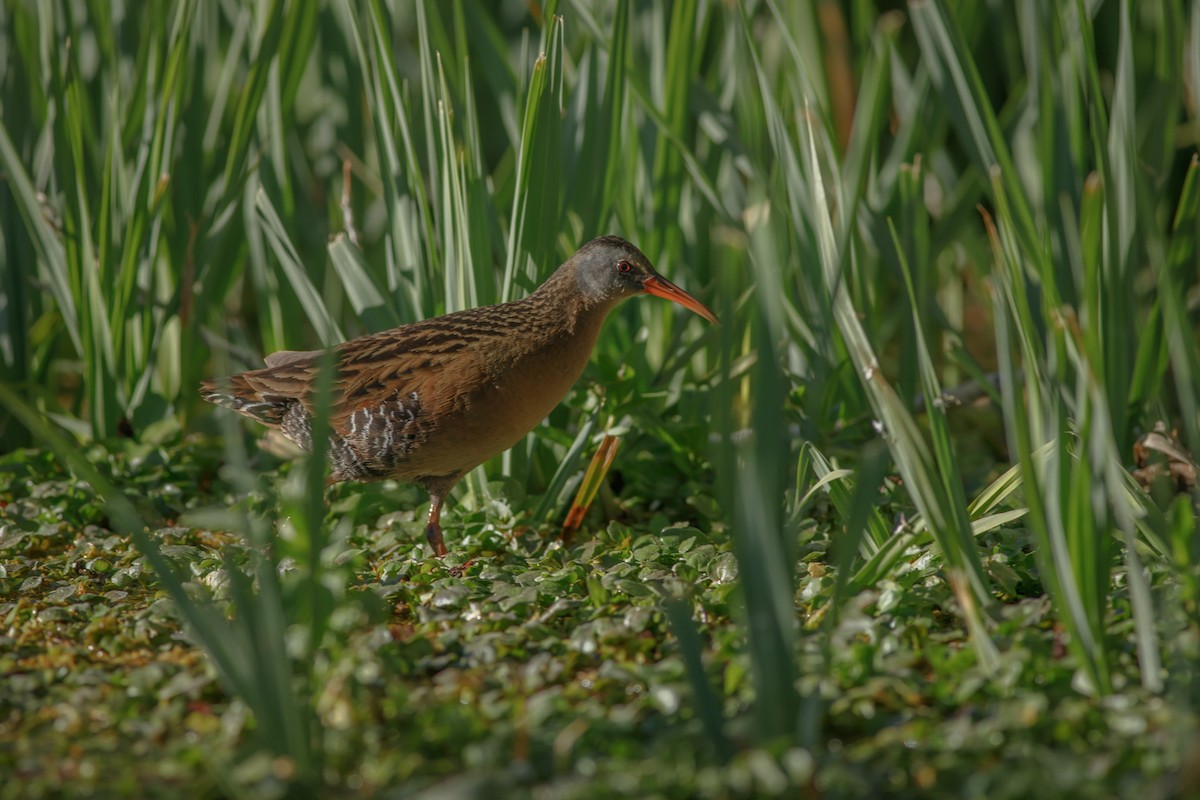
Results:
433 526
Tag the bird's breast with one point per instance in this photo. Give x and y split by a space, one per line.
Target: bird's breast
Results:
513 390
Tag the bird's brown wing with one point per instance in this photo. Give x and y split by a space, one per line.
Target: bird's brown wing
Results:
432 360
391 391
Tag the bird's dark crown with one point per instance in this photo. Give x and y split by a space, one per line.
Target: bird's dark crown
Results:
609 268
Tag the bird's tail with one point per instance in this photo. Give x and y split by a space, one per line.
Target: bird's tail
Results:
240 395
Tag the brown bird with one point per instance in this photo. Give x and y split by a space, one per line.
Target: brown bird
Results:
429 401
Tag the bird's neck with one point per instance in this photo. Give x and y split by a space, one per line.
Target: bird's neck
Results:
554 331
567 309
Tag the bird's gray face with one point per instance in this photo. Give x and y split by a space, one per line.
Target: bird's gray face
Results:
609 269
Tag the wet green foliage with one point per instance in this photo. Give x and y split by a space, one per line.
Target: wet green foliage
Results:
879 533
518 666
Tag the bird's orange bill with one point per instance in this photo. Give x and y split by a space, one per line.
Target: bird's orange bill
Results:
661 287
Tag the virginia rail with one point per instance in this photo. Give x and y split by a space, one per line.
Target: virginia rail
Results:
429 401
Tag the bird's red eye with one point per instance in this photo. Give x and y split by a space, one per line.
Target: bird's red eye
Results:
624 266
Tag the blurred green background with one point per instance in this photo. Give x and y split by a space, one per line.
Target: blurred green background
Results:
953 246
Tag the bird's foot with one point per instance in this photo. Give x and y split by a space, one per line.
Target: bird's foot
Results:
433 532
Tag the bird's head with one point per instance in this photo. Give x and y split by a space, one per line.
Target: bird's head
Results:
609 269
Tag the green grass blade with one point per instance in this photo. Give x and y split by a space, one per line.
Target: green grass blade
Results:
250 100
1173 277
875 528
370 304
558 489
861 517
536 193
46 241
707 704
327 330
954 71
943 513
